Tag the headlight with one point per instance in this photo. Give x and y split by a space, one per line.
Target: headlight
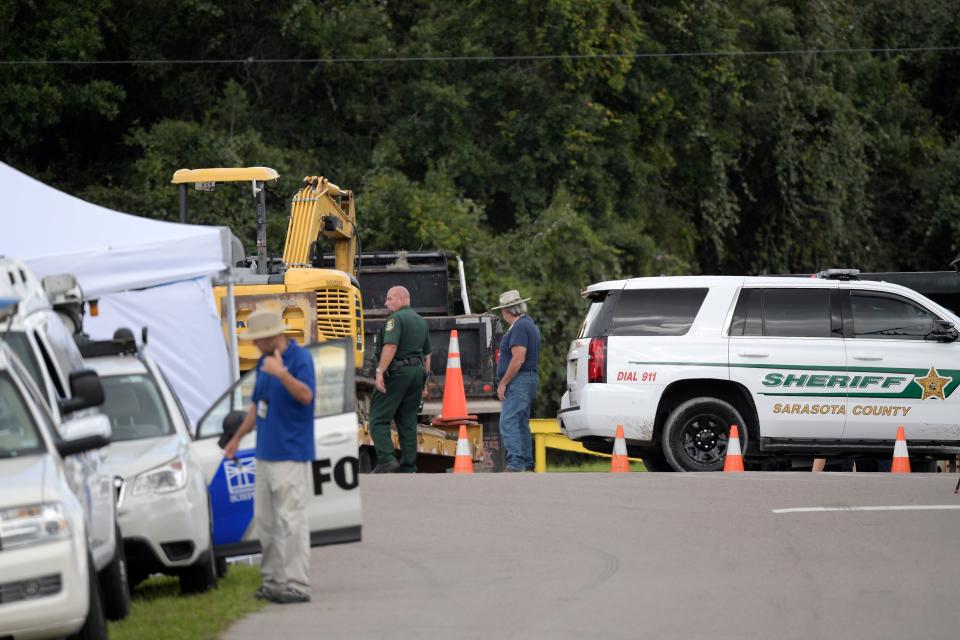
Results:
163 479
32 524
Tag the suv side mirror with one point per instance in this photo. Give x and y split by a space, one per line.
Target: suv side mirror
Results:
84 434
943 331
86 391
231 422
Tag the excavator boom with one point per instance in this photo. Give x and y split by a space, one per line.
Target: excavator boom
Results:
321 208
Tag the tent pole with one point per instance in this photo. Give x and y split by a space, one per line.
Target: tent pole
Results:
183 203
232 323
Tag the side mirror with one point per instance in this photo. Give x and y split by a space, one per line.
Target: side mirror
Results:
231 422
86 391
84 434
944 331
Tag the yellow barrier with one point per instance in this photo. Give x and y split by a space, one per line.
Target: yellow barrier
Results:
546 433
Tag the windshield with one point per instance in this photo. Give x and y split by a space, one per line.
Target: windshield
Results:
18 431
135 408
18 342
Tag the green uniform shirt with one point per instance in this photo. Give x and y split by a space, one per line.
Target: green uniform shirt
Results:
408 331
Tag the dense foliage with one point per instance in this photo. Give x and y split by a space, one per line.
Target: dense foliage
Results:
546 174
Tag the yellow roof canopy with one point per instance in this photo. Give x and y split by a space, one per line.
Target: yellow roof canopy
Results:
228 174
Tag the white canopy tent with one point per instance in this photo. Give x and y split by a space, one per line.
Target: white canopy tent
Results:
145 273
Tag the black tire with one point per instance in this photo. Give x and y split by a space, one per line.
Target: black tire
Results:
95 625
201 576
222 568
695 434
368 459
115 584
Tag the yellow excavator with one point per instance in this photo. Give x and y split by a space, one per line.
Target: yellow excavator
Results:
317 303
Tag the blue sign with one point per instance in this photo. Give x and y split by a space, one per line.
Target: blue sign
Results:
231 497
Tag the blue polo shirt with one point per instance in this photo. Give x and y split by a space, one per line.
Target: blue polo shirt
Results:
523 333
284 425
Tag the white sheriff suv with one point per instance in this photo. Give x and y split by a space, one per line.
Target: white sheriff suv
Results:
820 366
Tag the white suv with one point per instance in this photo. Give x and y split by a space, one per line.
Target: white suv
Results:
804 366
162 502
48 579
44 344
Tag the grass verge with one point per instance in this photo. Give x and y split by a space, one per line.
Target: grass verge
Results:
159 611
589 466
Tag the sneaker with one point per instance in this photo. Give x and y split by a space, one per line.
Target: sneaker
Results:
264 592
289 595
514 470
387 467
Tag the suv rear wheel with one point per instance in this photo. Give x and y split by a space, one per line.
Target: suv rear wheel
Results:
695 434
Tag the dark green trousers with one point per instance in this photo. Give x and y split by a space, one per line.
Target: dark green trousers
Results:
400 403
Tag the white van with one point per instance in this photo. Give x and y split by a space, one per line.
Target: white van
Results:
804 366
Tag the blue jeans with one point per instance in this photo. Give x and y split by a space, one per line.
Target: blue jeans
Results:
515 420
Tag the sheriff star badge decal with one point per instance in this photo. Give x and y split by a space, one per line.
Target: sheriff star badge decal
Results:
933 384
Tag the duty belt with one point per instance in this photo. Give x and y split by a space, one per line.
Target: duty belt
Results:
406 362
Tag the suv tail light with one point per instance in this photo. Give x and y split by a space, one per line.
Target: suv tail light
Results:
597 363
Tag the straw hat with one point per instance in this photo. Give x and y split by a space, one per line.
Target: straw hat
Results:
264 323
509 298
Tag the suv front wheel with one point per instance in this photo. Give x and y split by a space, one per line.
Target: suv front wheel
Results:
695 434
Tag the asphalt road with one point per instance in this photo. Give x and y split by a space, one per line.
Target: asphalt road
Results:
637 556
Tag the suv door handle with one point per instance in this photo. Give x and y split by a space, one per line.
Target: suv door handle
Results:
866 356
753 354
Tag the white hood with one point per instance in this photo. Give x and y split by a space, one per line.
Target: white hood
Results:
25 480
131 457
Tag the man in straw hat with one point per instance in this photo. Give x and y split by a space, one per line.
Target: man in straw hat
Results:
517 373
403 358
282 410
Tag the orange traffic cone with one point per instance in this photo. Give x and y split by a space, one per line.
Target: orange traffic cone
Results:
463 463
454 399
901 461
619 462
733 463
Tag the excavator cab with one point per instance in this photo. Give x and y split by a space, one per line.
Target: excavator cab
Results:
318 304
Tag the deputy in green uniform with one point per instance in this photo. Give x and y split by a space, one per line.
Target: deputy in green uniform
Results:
403 357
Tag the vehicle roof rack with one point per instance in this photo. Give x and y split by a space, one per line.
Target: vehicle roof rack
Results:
122 344
839 274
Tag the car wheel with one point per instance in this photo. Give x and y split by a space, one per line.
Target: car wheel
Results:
695 434
222 568
368 459
114 584
202 575
94 626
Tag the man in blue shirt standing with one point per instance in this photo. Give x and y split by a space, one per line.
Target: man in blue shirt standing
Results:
282 410
517 373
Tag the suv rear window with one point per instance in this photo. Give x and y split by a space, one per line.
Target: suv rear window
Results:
656 312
